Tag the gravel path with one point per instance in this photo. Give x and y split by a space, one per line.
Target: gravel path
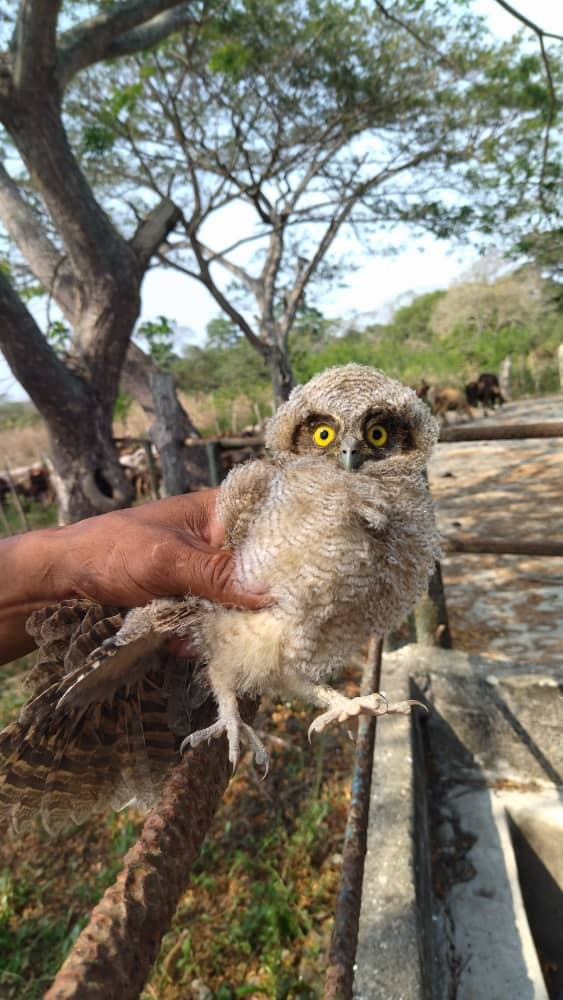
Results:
504 606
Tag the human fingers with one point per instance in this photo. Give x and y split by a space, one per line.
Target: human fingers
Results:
195 513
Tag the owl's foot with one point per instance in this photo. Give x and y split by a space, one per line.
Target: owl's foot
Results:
238 733
349 708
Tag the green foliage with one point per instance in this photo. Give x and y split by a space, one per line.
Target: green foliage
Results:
38 515
159 335
409 347
122 405
256 864
413 322
59 335
225 367
21 947
34 940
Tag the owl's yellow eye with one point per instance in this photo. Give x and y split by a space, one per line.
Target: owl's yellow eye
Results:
324 435
376 435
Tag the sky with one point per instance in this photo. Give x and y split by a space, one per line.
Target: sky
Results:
379 282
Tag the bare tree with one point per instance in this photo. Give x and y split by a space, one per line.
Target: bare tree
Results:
312 121
77 254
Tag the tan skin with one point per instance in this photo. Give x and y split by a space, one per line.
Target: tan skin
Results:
126 558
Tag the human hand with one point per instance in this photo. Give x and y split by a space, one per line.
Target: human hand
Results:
166 548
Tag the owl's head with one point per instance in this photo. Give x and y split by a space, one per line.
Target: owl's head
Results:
355 416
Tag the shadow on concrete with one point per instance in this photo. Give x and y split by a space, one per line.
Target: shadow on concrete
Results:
543 900
471 939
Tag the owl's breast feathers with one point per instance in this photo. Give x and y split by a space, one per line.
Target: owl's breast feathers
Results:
343 554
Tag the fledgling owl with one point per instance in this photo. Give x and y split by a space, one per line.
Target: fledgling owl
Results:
336 523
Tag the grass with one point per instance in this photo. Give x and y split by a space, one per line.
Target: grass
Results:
38 515
46 893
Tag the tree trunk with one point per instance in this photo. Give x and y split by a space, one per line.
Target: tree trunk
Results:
183 468
282 374
166 435
89 478
78 412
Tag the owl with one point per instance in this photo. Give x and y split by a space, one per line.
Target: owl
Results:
335 523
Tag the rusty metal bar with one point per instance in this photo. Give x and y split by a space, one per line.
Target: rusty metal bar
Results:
151 468
478 545
256 441
431 614
340 972
113 955
502 432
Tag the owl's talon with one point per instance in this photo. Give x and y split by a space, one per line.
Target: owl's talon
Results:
349 708
237 732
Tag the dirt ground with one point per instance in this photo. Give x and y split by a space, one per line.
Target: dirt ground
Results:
498 605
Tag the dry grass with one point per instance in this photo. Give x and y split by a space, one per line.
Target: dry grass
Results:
211 416
23 445
30 443
135 424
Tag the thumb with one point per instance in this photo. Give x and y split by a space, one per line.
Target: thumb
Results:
211 575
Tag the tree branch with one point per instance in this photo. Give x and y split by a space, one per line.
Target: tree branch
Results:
205 277
35 41
552 106
304 276
154 229
43 257
31 359
239 272
135 25
525 20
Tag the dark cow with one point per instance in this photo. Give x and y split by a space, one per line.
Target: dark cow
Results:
486 390
422 389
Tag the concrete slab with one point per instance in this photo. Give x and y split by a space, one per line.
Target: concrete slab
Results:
504 605
465 820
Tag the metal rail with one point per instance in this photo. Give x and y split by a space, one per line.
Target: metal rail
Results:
340 972
478 545
502 432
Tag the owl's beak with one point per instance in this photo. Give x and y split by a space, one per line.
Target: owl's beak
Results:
350 457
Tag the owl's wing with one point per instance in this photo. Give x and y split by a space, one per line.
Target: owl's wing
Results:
122 656
242 492
65 761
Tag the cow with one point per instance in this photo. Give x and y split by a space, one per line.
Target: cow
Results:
449 400
486 390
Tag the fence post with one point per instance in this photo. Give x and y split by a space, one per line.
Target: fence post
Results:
215 473
505 377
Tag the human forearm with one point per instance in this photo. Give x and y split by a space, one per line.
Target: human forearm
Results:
28 581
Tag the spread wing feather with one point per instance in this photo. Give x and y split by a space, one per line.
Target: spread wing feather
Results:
65 761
